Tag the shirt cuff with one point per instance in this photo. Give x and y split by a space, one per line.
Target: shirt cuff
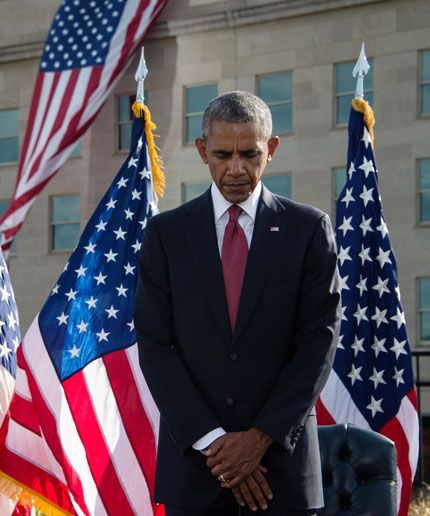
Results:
208 439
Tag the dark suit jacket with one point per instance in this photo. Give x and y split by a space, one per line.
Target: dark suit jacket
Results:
268 374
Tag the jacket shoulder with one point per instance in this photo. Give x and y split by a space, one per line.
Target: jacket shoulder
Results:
299 209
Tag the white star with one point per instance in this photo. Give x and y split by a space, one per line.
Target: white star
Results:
135 195
122 182
361 285
375 406
344 254
399 318
343 283
366 166
382 228
357 346
55 289
111 312
101 226
383 257
128 214
111 203
131 325
136 246
378 346
398 376
340 343
110 256
377 377
348 197
351 170
5 295
5 351
90 248
360 314
145 174
379 316
91 302
82 327
381 286
143 223
102 335
74 352
398 348
66 266
346 225
366 137
121 291
366 225
120 234
129 269
343 317
15 342
62 319
364 254
71 294
354 374
397 289
133 162
367 195
81 271
100 279
139 143
153 207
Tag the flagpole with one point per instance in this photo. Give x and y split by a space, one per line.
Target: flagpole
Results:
140 76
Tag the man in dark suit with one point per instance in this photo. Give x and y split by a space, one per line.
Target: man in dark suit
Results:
237 316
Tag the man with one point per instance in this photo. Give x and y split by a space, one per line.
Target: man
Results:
237 317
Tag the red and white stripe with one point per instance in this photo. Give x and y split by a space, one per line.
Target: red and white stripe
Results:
88 444
336 405
64 105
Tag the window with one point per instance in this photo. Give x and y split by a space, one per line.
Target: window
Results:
4 203
345 90
65 221
193 189
338 182
196 100
77 149
9 131
280 185
424 191
424 310
277 91
425 82
124 121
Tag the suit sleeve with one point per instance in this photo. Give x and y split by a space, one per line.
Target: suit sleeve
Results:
182 407
296 390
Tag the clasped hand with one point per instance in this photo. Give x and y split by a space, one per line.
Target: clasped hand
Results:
236 457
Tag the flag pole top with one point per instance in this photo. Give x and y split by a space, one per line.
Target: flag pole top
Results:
140 76
361 69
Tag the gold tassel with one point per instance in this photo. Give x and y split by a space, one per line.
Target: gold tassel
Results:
25 496
363 106
157 166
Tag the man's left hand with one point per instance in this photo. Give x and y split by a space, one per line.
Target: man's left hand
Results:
236 455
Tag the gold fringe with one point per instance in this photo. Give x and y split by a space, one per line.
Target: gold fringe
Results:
27 497
157 166
363 106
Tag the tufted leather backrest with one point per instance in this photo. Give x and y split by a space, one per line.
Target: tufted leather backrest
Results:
359 472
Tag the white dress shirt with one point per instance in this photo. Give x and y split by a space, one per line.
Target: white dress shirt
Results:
246 221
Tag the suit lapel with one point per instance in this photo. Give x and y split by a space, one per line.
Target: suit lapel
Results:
200 234
265 243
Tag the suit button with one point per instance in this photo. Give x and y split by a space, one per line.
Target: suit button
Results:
234 356
230 402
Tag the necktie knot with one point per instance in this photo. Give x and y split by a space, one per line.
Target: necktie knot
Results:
234 212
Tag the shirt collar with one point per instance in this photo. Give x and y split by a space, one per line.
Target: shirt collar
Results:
221 205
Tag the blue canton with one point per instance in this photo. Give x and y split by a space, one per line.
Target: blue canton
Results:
373 356
89 311
80 34
10 336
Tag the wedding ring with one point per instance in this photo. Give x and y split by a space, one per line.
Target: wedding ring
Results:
223 478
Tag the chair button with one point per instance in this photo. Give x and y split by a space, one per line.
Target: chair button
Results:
230 402
234 356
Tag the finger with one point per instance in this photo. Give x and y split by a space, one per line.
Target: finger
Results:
234 481
238 495
261 468
222 468
262 482
257 493
249 499
214 447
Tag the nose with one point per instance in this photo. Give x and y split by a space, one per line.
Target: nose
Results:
236 166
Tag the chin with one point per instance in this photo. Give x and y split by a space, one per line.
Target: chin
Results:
236 197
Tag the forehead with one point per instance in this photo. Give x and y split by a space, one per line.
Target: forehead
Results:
225 135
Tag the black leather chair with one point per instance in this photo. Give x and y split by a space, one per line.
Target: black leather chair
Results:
359 472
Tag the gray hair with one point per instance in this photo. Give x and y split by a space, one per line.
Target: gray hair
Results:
238 107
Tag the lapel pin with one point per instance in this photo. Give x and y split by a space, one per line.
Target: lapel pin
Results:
274 228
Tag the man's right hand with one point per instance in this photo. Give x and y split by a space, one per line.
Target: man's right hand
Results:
254 491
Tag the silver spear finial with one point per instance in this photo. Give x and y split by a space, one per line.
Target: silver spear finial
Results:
140 76
361 69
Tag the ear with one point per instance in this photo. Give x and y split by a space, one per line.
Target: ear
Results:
272 145
201 147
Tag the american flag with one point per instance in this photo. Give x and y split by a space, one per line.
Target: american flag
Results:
83 427
89 46
371 384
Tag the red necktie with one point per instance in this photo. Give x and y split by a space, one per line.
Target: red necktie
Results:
234 256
